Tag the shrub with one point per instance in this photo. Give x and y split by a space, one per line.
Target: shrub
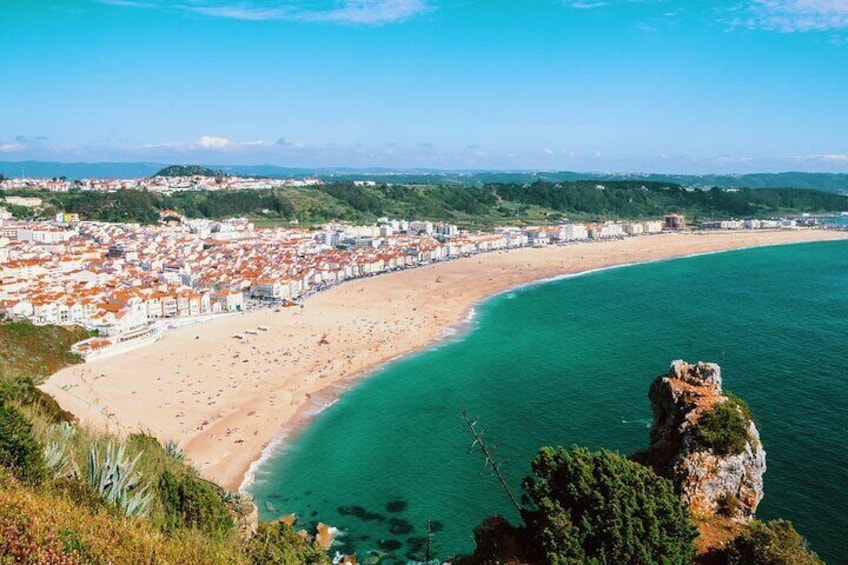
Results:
728 505
189 502
771 543
19 450
592 508
723 429
741 404
276 542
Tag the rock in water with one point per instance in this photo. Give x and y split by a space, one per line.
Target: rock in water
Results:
709 478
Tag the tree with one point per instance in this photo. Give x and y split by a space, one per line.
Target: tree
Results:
19 450
595 508
771 543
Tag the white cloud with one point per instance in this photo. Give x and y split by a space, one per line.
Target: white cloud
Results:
835 158
127 3
831 158
369 12
585 4
789 16
8 147
211 142
241 11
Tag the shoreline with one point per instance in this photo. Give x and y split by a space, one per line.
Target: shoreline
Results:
307 413
364 325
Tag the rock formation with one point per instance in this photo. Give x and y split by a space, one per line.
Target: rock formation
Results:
709 480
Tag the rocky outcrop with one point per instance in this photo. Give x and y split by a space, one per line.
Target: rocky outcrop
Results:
710 481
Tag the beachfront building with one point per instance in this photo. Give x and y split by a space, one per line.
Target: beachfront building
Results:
675 222
653 226
723 225
575 232
633 228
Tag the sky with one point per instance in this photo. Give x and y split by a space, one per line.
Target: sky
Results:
585 85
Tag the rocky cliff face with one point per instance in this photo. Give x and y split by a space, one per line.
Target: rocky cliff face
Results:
710 481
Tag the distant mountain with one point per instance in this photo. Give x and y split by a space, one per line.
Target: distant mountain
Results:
50 169
828 182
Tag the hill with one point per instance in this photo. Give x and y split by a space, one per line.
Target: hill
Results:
186 171
480 206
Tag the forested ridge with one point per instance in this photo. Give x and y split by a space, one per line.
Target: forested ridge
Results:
488 204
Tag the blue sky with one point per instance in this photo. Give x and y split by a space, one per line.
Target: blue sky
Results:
586 85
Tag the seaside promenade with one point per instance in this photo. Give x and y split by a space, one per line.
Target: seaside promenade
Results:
225 400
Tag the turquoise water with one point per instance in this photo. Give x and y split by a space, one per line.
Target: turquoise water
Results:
570 362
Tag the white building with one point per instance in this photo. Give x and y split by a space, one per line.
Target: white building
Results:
575 232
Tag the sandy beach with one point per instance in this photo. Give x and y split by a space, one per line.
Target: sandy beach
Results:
225 400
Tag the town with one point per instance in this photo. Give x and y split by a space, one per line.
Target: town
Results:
129 282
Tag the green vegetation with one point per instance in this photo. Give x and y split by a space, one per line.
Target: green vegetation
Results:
542 201
20 453
114 477
70 495
64 524
186 171
189 502
594 508
276 542
771 543
29 353
724 429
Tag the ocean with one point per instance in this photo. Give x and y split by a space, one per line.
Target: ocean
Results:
569 362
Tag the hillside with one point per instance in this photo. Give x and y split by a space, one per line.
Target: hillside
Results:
72 496
491 204
37 351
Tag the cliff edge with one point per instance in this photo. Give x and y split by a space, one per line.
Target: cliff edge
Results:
706 442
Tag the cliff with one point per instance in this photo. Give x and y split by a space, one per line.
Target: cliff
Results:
706 442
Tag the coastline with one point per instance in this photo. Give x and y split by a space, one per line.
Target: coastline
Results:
231 404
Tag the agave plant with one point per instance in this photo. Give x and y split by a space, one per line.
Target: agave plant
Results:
172 449
62 464
115 479
64 430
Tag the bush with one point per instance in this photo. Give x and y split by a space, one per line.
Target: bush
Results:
190 503
723 429
19 450
592 508
45 525
276 542
771 543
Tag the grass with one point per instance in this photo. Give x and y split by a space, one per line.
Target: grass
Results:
37 352
51 526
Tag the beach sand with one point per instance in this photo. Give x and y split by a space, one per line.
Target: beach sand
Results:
225 400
